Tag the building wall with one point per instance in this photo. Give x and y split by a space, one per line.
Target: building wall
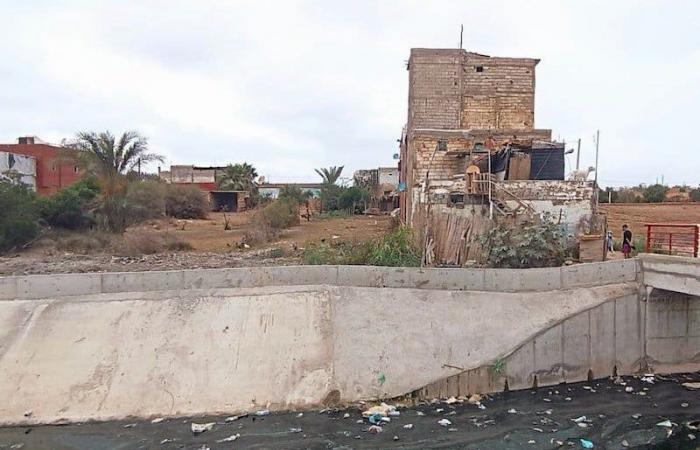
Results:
54 168
452 89
389 176
22 165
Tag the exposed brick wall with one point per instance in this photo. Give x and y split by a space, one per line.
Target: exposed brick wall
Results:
451 89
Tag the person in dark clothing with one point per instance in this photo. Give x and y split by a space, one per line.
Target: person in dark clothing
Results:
626 241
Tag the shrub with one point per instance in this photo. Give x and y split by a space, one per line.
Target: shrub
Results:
694 195
532 245
396 249
186 202
145 200
85 242
71 207
656 193
18 215
330 196
278 215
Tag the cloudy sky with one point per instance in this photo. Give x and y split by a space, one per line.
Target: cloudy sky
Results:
293 85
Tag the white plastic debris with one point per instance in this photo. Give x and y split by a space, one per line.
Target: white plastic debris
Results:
666 423
382 409
262 412
157 420
629 389
198 428
439 410
444 422
580 419
684 405
691 386
420 413
386 419
648 378
231 438
300 415
394 413
512 411
451 400
408 426
375 429
346 416
636 416
295 430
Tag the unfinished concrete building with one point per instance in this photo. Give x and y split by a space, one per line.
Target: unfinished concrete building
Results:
470 152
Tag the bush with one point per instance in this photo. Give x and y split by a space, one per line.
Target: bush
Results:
18 215
532 245
694 195
330 196
71 207
656 193
186 202
396 249
145 200
84 242
270 220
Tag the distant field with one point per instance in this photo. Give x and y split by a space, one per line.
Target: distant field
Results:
638 214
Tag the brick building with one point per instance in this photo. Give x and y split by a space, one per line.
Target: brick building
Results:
470 149
55 165
205 178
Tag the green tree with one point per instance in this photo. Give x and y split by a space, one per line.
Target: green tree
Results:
656 193
351 197
238 177
331 174
71 207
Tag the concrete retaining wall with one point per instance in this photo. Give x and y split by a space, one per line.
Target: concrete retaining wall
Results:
102 346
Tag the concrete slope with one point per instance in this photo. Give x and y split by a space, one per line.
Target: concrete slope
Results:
196 351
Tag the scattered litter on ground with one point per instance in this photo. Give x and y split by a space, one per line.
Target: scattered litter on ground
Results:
512 411
262 412
346 416
624 443
240 416
231 438
300 414
295 430
157 420
394 413
691 386
648 378
375 418
130 425
420 413
586 443
693 425
451 400
684 405
444 422
629 389
580 419
198 428
666 423
475 399
408 426
382 409
375 429
636 416
396 438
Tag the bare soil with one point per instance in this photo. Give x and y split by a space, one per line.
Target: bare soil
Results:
636 215
212 246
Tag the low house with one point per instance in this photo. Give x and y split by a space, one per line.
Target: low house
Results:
272 190
205 178
383 184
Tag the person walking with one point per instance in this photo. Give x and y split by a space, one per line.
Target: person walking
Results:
610 242
626 241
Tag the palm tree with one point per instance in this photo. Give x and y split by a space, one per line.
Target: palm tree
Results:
108 158
331 174
238 177
111 160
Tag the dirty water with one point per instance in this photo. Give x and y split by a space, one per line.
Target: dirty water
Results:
544 418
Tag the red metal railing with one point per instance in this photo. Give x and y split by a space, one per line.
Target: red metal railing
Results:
673 239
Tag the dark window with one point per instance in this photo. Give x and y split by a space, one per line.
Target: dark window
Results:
479 68
76 169
442 145
457 199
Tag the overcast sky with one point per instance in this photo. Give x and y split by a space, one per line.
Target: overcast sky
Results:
293 85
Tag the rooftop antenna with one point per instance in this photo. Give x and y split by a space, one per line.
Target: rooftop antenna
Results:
461 32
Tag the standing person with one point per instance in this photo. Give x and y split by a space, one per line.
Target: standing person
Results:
626 241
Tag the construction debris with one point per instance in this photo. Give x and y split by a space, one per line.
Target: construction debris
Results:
198 428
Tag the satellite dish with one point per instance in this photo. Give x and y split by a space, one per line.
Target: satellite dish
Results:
396 156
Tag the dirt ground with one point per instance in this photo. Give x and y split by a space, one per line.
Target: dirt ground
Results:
212 246
546 418
638 214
